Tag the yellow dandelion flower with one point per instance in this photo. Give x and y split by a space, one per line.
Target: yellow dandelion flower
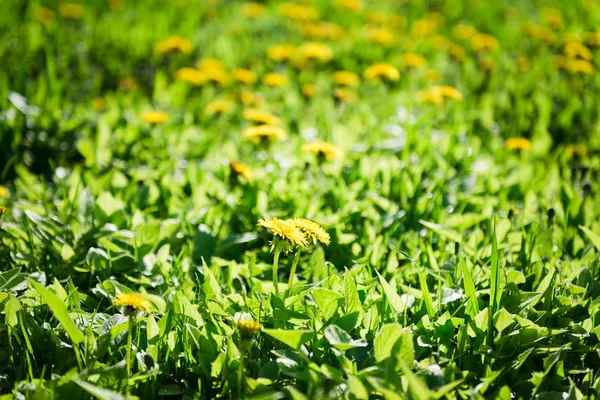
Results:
323 30
577 50
2 211
3 192
210 63
281 52
580 66
382 70
127 84
218 107
538 32
423 27
70 10
413 60
155 116
253 10
487 65
450 92
247 97
286 231
99 104
324 150
431 96
216 75
345 95
316 51
264 132
44 15
261 117
456 52
351 5
132 302
174 44
577 150
518 143
553 18
346 78
312 230
276 80
240 169
244 76
432 75
309 90
246 325
191 75
299 12
593 38
440 42
464 32
484 42
380 35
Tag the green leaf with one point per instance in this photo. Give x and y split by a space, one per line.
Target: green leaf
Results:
416 388
426 295
390 336
59 309
353 303
11 310
495 281
472 302
99 393
293 338
443 231
392 296
593 236
340 339
327 301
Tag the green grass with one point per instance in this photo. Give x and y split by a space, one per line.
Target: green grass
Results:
457 268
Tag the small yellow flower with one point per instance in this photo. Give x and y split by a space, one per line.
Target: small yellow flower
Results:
132 302
484 42
253 10
299 12
312 230
456 52
553 18
345 95
431 96
577 149
2 211
539 32
210 63
487 65
154 116
240 169
423 27
264 132
244 76
70 10
518 143
309 90
440 42
577 50
382 70
346 78
99 104
316 51
285 231
323 30
281 52
44 15
174 44
593 38
246 325
464 32
190 75
3 192
261 117
351 5
380 35
216 75
432 75
246 97
218 107
324 150
274 79
580 66
450 92
413 60
127 84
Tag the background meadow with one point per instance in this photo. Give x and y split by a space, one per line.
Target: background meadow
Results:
448 149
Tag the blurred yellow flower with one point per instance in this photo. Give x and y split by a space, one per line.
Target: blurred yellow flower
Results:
215 75
484 42
346 78
253 10
309 90
274 79
174 44
316 51
244 76
382 70
126 84
523 63
577 50
432 75
440 42
464 32
430 96
345 95
44 15
190 75
285 230
423 27
518 143
132 302
313 231
553 18
3 192
247 97
580 66
577 149
325 150
299 12
3 211
261 117
380 35
246 325
487 65
218 107
99 104
210 63
264 132
352 5
593 38
240 169
539 32
413 60
456 52
281 52
155 117
70 10
323 30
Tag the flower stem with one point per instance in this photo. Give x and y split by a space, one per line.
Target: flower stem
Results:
293 270
275 266
240 377
128 359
